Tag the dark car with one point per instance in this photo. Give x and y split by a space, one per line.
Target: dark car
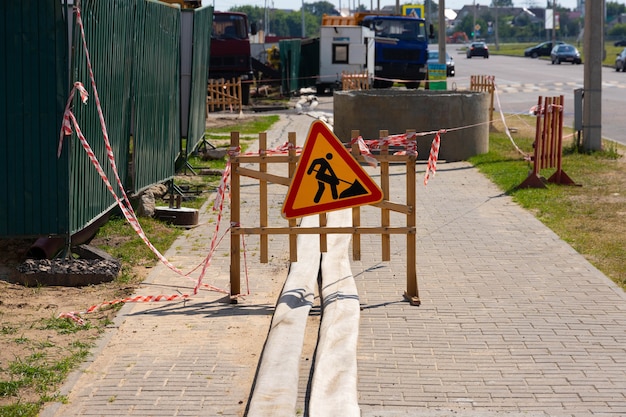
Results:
433 58
565 53
620 61
478 49
621 42
543 49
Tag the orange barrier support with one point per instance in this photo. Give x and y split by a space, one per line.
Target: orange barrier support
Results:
223 95
548 145
355 81
487 84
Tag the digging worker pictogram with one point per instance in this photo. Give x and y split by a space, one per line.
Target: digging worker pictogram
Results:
324 175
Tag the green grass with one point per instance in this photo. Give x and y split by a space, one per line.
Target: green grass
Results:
245 128
124 244
36 372
590 217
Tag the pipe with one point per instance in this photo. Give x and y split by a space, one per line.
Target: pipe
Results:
48 247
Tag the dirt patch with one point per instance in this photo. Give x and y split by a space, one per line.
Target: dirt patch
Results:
32 336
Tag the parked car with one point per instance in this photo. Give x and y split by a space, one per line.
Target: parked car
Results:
620 61
565 53
621 42
478 49
542 49
433 58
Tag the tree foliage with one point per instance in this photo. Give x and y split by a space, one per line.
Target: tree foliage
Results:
618 31
288 23
502 3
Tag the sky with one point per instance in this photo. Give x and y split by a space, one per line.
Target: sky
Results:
297 4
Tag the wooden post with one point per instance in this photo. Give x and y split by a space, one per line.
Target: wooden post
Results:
384 186
235 219
323 236
293 238
263 212
356 211
412 293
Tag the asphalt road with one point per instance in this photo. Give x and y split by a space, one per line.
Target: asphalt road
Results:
521 80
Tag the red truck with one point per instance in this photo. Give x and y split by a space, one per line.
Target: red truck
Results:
230 50
230 46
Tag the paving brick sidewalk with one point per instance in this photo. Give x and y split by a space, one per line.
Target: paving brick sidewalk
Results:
513 321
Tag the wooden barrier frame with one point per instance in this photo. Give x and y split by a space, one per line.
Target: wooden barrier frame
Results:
386 206
548 145
355 81
484 83
224 95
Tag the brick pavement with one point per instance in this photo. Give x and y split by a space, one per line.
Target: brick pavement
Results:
512 322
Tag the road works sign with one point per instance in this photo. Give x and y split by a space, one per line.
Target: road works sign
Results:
327 178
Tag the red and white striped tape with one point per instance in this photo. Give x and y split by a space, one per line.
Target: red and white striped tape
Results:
431 167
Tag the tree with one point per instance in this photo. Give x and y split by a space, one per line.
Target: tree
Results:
321 8
502 3
255 14
618 31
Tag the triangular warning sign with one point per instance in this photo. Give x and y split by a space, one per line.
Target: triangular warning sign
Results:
327 177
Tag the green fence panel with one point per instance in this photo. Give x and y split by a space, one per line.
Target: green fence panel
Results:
33 89
156 91
109 28
202 23
134 50
309 62
290 63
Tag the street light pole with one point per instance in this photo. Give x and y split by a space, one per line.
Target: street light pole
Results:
303 28
593 45
474 25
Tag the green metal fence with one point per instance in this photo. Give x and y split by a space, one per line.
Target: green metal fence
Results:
134 47
33 89
109 28
202 23
156 132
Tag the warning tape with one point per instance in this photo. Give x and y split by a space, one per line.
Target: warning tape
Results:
431 167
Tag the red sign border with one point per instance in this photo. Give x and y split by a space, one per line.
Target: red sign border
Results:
319 128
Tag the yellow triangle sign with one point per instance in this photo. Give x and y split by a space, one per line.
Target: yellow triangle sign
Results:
327 177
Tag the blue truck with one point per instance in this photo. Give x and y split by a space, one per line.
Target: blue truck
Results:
401 49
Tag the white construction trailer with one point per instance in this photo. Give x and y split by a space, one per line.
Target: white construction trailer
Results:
344 48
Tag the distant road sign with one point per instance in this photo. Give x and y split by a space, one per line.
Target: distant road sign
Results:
416 10
327 177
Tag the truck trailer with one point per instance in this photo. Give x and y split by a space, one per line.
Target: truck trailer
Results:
344 48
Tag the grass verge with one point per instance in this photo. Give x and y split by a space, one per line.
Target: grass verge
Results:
590 217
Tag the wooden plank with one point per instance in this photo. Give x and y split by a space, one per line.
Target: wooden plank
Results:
263 176
374 230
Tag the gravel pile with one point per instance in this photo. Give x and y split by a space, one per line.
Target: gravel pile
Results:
70 266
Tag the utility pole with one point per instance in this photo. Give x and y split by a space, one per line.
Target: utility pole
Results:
593 45
441 32
303 27
553 23
496 28
474 24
